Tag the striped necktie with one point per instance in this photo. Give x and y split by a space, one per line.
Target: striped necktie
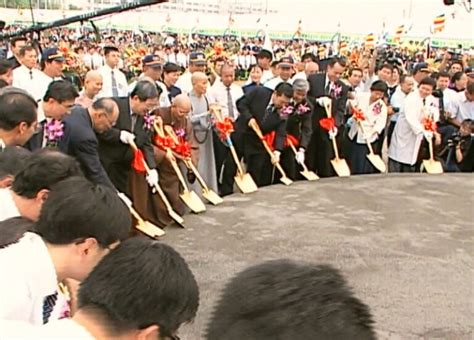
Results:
114 85
48 306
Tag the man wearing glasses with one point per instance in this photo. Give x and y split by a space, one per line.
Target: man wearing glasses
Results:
81 128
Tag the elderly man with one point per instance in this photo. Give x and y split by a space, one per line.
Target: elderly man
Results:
92 86
202 126
310 68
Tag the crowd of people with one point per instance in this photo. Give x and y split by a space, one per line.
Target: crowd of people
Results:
89 130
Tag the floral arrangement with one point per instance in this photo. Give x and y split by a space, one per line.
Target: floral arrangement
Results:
286 111
53 132
358 114
335 90
133 59
302 109
149 120
377 109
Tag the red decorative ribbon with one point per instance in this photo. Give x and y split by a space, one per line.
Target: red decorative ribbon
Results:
328 124
358 114
270 139
225 127
165 142
183 148
138 162
291 139
429 124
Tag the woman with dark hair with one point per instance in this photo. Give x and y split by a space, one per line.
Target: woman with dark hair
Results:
459 81
256 73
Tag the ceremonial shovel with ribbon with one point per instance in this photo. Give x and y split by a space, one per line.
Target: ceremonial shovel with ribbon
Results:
225 127
375 159
189 197
429 127
339 164
182 151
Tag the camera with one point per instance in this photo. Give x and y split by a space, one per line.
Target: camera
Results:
454 140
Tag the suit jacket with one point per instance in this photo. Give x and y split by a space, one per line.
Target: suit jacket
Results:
254 105
117 157
317 84
36 141
301 126
83 145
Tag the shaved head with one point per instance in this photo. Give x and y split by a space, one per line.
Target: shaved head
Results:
93 76
198 76
181 105
92 83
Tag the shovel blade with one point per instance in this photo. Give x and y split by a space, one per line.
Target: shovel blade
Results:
150 230
433 167
286 180
340 167
212 197
377 162
192 200
309 175
245 183
176 217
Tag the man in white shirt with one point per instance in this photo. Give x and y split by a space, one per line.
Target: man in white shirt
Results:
31 185
398 102
409 130
27 75
154 307
18 116
69 240
309 68
114 81
197 63
52 63
463 107
285 68
225 93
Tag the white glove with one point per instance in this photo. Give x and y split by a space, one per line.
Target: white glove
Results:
126 137
333 133
300 156
322 101
152 178
125 199
428 134
276 157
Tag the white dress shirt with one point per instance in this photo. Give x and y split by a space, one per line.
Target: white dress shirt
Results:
461 108
27 276
121 80
373 124
184 82
273 83
397 101
300 75
8 207
408 133
31 83
218 95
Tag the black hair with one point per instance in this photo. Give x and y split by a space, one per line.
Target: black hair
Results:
443 74
104 104
42 170
351 71
141 283
309 55
144 89
171 67
457 62
379 85
12 160
16 106
13 229
26 48
61 91
457 76
5 66
14 40
254 66
108 49
77 209
470 88
284 89
336 60
387 66
283 299
3 83
428 81
264 54
274 63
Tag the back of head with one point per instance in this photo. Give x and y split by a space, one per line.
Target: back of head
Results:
107 105
13 229
61 91
77 209
12 160
16 106
42 170
139 284
144 90
284 89
283 299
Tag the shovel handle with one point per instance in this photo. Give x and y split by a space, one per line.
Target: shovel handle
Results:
430 146
179 174
158 125
136 215
369 145
334 145
295 152
234 155
201 181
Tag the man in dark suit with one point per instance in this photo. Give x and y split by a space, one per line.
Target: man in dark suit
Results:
328 84
16 44
263 106
82 141
56 104
115 152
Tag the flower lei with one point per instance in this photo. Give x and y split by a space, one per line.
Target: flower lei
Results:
335 90
286 111
429 124
358 114
302 109
54 131
149 120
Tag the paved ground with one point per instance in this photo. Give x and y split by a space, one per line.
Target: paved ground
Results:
406 246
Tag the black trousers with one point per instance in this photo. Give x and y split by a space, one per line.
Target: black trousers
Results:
320 151
359 162
226 169
394 166
260 168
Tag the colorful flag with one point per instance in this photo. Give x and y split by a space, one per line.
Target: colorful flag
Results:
398 33
343 47
439 23
299 30
370 41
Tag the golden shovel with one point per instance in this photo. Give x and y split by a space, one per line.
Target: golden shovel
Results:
432 167
244 181
285 180
173 214
309 175
339 164
207 193
146 227
375 159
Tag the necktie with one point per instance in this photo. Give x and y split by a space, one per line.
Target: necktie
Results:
230 103
114 86
31 74
48 306
327 90
267 113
